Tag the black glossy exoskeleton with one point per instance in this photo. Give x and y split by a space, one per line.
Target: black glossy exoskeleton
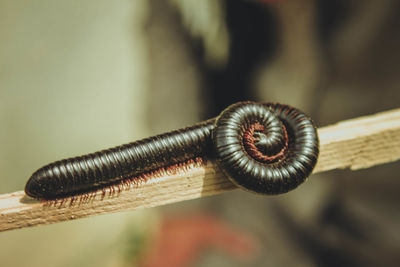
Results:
264 148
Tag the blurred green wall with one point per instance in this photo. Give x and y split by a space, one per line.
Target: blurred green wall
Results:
72 81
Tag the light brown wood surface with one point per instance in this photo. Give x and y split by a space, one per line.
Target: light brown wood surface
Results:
355 144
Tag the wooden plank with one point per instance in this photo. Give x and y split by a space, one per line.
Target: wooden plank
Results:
355 144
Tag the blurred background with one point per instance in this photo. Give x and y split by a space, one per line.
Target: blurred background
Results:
80 76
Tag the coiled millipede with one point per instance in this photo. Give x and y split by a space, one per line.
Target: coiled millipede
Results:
263 148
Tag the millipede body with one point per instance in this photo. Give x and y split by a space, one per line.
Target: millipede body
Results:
261 147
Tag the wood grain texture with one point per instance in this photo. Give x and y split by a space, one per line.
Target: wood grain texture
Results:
355 144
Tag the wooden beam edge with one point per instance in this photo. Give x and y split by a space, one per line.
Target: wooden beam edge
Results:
355 144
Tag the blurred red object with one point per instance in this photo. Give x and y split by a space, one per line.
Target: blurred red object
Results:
183 238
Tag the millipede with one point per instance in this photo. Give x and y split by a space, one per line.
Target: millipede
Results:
266 148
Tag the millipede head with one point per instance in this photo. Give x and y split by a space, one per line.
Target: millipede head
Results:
265 148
